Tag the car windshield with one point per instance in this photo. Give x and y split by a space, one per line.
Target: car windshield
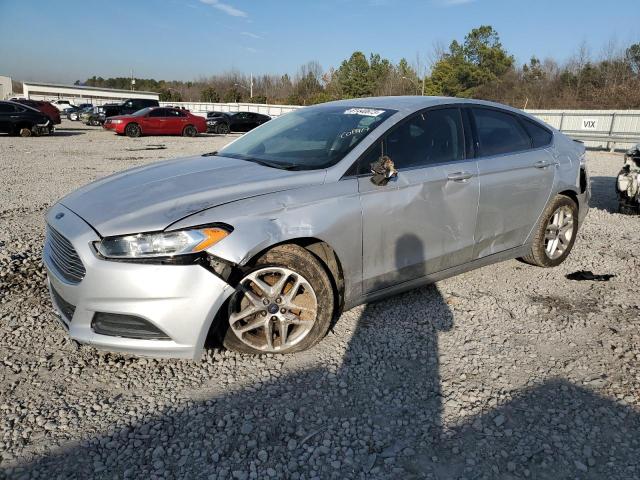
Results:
308 139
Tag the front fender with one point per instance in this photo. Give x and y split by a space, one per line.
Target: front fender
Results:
328 212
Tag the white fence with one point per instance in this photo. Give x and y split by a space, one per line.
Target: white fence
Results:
611 129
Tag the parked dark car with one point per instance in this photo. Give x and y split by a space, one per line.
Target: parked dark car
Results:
157 121
75 114
235 122
45 107
126 107
23 120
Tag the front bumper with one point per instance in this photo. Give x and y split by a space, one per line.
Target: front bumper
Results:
180 300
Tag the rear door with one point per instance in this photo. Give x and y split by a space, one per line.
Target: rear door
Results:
424 220
516 179
176 121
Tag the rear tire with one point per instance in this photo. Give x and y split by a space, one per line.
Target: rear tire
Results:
133 130
189 131
276 311
555 234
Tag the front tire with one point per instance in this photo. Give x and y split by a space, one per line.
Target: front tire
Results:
223 129
284 304
133 130
555 234
25 132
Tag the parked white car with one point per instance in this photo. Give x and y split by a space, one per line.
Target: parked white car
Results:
62 104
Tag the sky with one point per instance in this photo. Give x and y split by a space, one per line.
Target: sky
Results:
67 40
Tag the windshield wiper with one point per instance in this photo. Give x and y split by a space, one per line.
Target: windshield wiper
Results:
278 165
264 163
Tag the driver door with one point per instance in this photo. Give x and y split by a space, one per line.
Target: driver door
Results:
423 221
154 122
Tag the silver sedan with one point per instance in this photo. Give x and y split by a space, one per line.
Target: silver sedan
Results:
266 242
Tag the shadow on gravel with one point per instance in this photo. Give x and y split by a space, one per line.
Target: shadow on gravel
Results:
377 415
603 194
68 133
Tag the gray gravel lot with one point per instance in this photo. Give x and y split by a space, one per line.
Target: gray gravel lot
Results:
509 371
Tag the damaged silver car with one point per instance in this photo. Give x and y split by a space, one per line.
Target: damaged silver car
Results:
266 242
628 183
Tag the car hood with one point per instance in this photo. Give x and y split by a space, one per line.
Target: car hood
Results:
152 197
122 117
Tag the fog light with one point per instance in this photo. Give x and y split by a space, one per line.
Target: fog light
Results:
129 326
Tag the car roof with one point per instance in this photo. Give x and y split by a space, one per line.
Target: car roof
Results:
21 105
411 103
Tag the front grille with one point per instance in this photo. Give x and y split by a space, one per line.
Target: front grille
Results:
64 257
66 309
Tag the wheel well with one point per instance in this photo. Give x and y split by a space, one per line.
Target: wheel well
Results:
329 259
572 195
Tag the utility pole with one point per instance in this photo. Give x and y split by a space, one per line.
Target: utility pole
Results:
251 87
133 81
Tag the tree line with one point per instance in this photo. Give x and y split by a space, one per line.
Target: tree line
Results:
478 66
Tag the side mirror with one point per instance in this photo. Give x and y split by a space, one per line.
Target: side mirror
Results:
382 171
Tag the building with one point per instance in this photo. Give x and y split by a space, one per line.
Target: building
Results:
5 87
81 94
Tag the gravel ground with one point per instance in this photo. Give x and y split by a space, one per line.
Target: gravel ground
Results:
509 371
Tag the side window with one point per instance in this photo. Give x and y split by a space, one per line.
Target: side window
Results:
541 136
499 132
363 166
430 137
158 112
445 138
6 108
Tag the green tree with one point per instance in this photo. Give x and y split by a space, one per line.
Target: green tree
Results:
632 55
480 60
209 94
354 77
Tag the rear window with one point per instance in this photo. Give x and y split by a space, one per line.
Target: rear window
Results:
499 132
541 136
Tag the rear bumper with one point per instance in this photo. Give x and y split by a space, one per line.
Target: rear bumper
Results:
180 300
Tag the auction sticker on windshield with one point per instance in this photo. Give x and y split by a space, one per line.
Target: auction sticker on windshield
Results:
368 112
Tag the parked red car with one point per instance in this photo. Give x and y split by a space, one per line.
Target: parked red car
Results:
157 121
45 107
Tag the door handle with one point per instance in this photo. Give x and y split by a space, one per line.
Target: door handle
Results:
459 176
543 164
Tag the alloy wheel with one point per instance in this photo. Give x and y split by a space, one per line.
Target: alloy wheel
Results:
274 309
559 232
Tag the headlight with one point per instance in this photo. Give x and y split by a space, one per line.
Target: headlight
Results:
116 121
164 244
